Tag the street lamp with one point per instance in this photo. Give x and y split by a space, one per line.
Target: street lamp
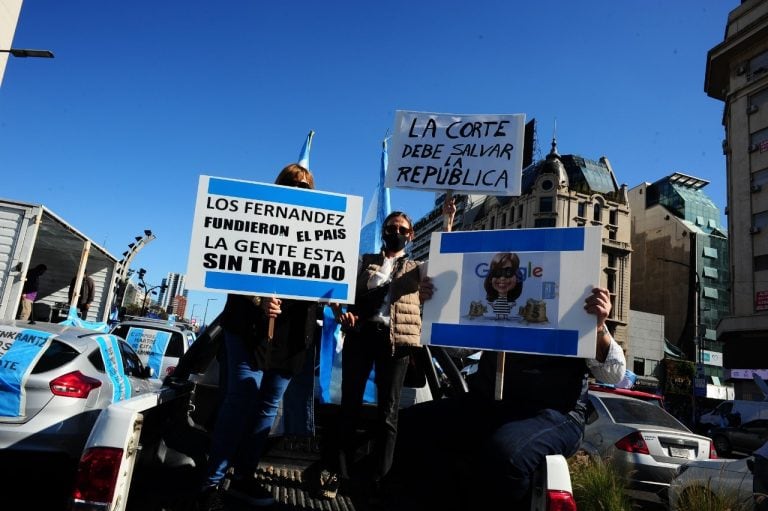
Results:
205 314
24 53
192 315
696 328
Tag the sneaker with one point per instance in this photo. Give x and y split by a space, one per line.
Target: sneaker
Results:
249 490
210 499
329 484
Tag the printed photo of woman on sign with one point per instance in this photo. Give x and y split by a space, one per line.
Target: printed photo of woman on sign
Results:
510 289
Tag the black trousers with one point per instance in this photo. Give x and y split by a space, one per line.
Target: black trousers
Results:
366 349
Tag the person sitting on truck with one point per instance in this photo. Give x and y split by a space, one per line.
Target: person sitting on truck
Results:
486 451
258 370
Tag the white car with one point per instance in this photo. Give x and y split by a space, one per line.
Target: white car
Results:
725 477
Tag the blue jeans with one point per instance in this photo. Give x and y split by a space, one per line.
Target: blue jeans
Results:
471 453
246 414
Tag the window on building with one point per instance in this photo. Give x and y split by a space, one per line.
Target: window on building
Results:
710 252
519 212
699 220
756 140
492 222
547 185
545 204
611 261
544 222
760 220
760 178
503 220
709 292
582 209
710 334
597 213
638 366
760 262
614 217
759 99
710 272
611 282
758 64
650 366
612 234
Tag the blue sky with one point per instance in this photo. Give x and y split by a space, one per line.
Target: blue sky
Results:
145 96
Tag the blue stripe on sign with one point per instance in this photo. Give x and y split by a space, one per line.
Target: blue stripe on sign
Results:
512 240
158 352
113 367
282 194
487 337
275 285
17 363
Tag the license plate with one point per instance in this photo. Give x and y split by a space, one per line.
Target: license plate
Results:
678 452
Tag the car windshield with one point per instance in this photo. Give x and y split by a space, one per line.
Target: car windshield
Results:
634 411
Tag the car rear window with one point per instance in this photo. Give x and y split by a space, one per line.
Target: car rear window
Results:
175 344
55 356
634 411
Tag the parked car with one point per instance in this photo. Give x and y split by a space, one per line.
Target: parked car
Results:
159 343
728 478
744 438
725 412
54 382
642 441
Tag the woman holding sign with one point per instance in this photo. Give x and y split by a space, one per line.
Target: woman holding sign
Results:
266 340
383 328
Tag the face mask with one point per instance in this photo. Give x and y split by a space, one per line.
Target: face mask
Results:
394 242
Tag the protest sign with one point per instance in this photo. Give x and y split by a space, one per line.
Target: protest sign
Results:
518 290
269 240
476 153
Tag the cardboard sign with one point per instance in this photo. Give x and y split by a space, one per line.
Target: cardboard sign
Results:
518 290
473 153
264 239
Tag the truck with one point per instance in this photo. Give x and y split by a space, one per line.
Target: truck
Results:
32 234
146 453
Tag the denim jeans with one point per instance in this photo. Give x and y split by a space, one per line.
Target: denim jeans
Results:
468 453
299 400
246 414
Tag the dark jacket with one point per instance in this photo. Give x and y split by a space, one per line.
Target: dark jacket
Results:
32 284
535 382
86 290
294 331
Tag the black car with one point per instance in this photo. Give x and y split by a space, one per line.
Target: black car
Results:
743 438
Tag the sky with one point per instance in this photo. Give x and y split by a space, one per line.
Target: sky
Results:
143 97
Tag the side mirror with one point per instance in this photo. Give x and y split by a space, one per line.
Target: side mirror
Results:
147 372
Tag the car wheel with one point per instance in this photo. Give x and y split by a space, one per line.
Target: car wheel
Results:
722 446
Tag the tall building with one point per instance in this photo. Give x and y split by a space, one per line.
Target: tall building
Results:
560 191
737 74
680 267
175 287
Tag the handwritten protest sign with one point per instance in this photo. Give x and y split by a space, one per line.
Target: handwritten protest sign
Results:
264 239
519 290
474 153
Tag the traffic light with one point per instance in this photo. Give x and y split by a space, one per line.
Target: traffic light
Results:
142 272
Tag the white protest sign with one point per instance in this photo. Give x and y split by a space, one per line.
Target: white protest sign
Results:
270 240
518 290
475 153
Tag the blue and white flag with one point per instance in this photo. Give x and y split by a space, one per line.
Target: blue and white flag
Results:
113 366
378 209
74 320
20 349
304 155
